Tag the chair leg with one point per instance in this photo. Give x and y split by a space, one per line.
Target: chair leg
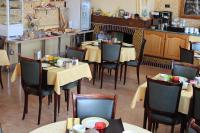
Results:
102 69
172 129
149 124
58 104
79 87
121 70
99 67
1 82
40 108
116 77
110 70
145 120
125 71
25 105
65 95
67 91
94 73
138 74
49 99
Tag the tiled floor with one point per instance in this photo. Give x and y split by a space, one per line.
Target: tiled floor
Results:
11 102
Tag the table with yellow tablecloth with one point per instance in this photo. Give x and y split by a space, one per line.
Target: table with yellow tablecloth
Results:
4 61
93 53
184 103
59 76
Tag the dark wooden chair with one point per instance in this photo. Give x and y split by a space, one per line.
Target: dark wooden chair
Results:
80 55
195 46
94 105
186 55
162 104
32 84
2 44
110 55
184 69
195 105
136 63
193 127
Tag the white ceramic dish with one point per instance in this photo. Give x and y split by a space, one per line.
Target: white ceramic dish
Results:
90 122
128 131
45 65
127 44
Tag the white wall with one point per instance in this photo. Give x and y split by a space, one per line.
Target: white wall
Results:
128 5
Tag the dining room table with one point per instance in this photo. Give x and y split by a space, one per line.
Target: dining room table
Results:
60 127
4 60
185 98
60 76
93 52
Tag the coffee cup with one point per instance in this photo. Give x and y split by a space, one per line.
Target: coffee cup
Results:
78 129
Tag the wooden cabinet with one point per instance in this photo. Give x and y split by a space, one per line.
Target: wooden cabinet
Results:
164 44
154 43
172 44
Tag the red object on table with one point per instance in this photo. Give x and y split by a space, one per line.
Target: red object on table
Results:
100 126
175 79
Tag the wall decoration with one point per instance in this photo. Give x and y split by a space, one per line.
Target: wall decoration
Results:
190 9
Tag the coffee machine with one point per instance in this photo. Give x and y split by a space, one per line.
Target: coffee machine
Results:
161 19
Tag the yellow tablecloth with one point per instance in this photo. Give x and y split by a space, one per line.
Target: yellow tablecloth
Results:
61 76
184 103
4 61
93 54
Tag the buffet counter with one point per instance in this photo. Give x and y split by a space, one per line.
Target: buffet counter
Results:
165 44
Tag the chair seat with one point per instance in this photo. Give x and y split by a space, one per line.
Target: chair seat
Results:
132 63
70 85
48 90
190 130
109 65
166 119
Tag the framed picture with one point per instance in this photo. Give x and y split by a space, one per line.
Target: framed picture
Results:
190 9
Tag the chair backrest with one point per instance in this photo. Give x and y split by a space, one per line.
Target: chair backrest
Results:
185 70
94 105
75 53
110 53
193 127
163 97
186 55
138 41
31 73
141 53
2 43
196 103
195 46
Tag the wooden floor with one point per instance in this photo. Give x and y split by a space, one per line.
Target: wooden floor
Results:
12 97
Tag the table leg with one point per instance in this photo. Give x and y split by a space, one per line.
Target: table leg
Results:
19 50
55 105
43 47
59 44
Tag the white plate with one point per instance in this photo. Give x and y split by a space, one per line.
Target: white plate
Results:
45 65
127 44
182 79
90 122
128 131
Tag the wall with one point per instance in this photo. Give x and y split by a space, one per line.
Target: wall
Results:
133 6
174 7
150 5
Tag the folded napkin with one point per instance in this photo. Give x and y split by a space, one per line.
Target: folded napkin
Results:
115 126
